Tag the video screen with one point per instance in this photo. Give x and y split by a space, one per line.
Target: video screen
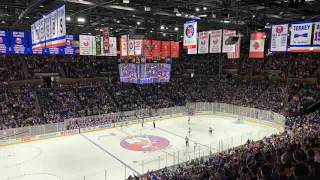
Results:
155 73
128 73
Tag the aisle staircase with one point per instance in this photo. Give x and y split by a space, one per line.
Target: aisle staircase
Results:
24 67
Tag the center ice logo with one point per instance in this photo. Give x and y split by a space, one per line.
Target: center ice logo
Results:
144 143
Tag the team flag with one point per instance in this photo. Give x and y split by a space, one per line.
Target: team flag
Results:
257 45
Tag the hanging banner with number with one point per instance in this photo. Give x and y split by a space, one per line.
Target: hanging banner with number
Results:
203 44
215 41
61 37
316 35
279 38
300 40
112 47
87 46
18 42
156 48
190 34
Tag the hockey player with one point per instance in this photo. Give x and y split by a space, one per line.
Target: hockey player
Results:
142 121
187 141
189 120
210 130
154 124
189 131
121 124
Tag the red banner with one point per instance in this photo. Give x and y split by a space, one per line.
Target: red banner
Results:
174 49
156 48
165 46
145 51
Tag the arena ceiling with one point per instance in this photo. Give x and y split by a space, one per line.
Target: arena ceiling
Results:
244 16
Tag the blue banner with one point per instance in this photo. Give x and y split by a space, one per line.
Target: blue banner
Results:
4 42
18 42
68 49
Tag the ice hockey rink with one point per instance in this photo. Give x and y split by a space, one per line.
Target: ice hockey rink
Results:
116 153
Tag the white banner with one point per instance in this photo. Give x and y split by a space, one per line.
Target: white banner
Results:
227 34
137 47
190 34
131 47
112 46
36 36
86 44
203 44
47 33
42 35
61 32
124 45
316 35
94 46
300 40
279 38
215 41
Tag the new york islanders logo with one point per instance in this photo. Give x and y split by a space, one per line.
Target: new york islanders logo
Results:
18 41
144 143
215 41
279 29
85 43
189 31
203 42
1 40
131 46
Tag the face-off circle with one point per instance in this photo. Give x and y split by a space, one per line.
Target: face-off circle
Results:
144 143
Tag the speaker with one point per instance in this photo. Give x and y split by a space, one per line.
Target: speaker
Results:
232 40
137 33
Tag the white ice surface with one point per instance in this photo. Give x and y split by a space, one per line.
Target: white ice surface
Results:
97 155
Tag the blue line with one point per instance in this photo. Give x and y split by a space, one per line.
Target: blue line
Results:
111 155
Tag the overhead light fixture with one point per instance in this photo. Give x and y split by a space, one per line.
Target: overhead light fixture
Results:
126 1
151 31
133 15
203 15
138 23
111 28
197 9
214 15
164 34
89 33
27 17
176 28
178 14
68 18
80 0
192 16
118 21
147 8
81 20
41 6
186 15
204 8
162 27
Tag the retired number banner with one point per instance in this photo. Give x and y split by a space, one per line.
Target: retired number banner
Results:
300 40
316 37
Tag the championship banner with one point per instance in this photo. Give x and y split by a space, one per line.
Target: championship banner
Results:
156 48
69 50
166 50
300 40
145 51
35 34
215 41
47 30
203 44
131 47
124 45
257 45
86 44
227 34
105 35
137 47
279 38
192 50
61 37
18 42
316 35
4 42
53 28
112 47
190 34
175 49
